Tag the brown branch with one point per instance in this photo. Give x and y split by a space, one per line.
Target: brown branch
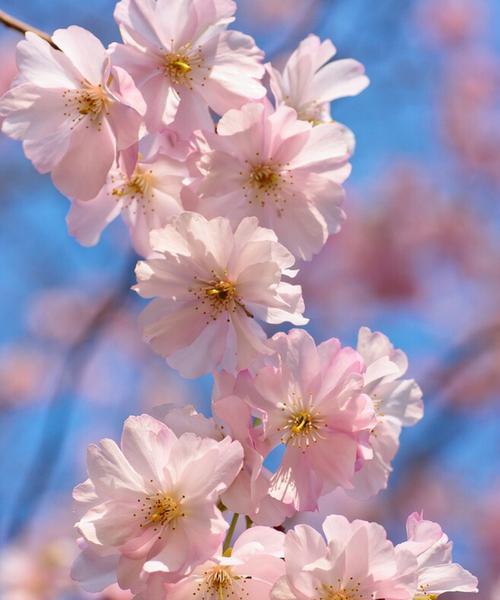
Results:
23 27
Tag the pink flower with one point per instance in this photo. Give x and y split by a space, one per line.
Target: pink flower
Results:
185 62
312 402
309 82
147 196
356 562
436 573
249 571
397 402
73 110
210 282
153 500
282 170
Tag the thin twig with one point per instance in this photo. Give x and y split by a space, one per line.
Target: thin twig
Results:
61 407
22 27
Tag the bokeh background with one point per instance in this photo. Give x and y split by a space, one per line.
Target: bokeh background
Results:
419 258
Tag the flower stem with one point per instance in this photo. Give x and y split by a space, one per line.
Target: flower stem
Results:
22 27
230 533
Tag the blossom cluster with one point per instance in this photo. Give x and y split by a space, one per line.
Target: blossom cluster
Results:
229 175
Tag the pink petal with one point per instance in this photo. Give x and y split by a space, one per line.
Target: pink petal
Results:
83 170
84 50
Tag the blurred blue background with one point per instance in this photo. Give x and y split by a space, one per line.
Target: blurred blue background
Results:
418 258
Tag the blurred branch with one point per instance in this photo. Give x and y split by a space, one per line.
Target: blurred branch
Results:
22 27
60 408
471 349
447 424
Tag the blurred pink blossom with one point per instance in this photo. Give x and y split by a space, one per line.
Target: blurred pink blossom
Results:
61 314
451 22
24 375
37 571
471 114
9 69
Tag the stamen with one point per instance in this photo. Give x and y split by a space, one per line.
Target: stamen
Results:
90 101
268 181
221 583
137 193
159 510
218 296
264 177
222 291
219 578
179 65
138 185
303 424
330 592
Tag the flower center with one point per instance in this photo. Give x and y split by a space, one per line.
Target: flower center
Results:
216 297
302 425
303 428
219 579
329 592
179 65
159 510
89 101
223 291
221 583
267 182
264 177
138 185
314 113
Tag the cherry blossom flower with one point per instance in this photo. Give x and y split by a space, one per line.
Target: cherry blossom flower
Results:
148 197
282 170
356 562
185 62
153 500
397 402
209 282
308 82
252 567
313 403
73 110
436 573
